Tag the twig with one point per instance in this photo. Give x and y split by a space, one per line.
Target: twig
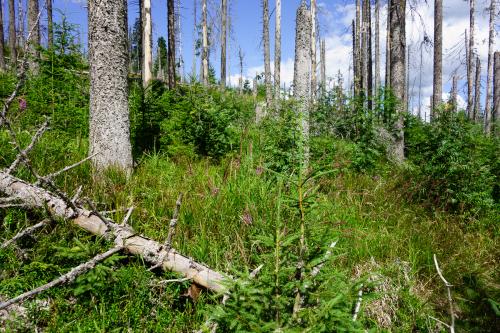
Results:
256 272
23 154
66 278
57 173
77 194
27 231
127 217
96 213
318 267
358 304
173 281
171 231
448 290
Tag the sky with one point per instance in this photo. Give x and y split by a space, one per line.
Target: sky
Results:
335 17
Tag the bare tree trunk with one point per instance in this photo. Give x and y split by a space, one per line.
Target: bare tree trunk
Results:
470 63
407 92
20 23
323 67
171 44
437 91
12 34
204 55
496 93
240 57
388 47
178 47
34 29
357 51
109 112
50 30
147 40
377 46
420 82
489 75
2 46
223 45
302 76
454 94
398 68
369 87
277 51
364 51
195 37
267 56
477 90
314 80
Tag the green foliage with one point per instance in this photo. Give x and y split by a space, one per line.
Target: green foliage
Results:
456 166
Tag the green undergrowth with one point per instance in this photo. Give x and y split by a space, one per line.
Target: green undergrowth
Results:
232 213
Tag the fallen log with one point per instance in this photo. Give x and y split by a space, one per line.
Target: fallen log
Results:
123 235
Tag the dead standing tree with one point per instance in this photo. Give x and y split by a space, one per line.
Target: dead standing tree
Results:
489 75
171 44
267 55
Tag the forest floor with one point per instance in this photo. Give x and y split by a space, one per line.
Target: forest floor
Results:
383 238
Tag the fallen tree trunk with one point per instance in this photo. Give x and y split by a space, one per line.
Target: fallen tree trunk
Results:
153 252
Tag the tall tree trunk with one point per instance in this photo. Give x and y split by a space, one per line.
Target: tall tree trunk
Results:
147 41
34 29
421 69
2 46
407 92
364 50
171 44
20 24
388 47
357 50
437 88
323 67
195 37
109 112
489 75
454 93
277 51
470 62
12 34
398 68
314 80
240 57
369 87
496 93
302 76
50 28
267 55
204 55
178 48
223 45
477 90
377 46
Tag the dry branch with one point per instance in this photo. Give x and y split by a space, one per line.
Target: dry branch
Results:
25 232
57 173
358 304
66 278
150 250
450 300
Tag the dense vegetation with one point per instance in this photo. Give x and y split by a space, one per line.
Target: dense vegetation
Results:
246 204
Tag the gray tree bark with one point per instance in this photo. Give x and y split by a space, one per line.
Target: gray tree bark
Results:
477 90
223 45
12 34
204 55
20 23
109 112
195 37
267 55
302 76
171 44
398 69
34 29
377 47
314 80
147 41
437 91
454 93
277 51
369 53
388 48
240 58
470 62
496 93
489 75
323 67
50 30
364 51
2 46
357 50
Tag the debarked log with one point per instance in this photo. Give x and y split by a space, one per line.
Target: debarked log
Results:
152 251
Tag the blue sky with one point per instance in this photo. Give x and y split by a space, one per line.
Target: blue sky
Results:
334 21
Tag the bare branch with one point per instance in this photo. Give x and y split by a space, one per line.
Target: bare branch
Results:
25 232
448 290
66 278
173 222
23 154
57 173
358 304
317 268
173 281
127 217
77 194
